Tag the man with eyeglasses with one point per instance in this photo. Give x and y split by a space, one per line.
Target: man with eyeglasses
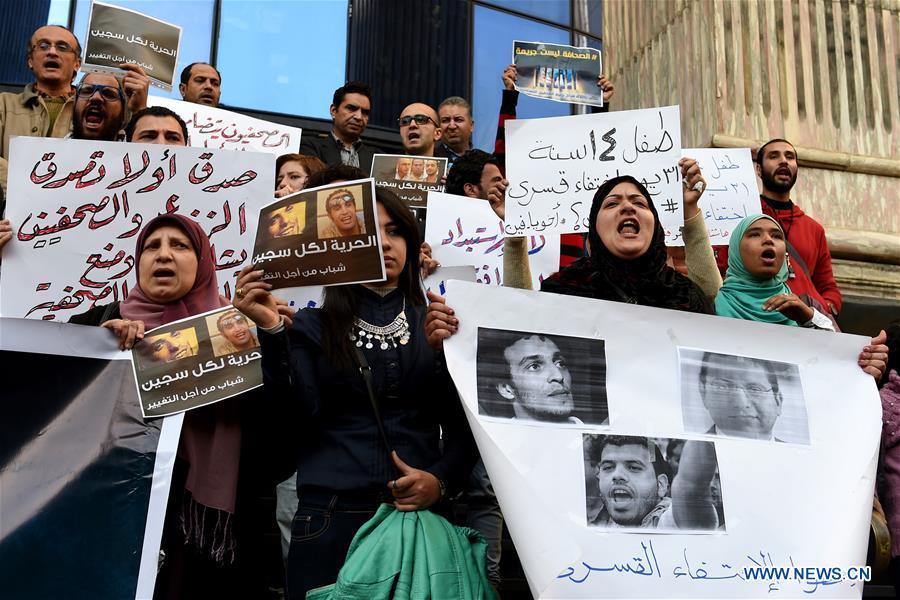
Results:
345 219
419 129
45 108
742 395
350 109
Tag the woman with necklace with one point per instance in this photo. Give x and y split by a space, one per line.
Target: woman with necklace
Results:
312 374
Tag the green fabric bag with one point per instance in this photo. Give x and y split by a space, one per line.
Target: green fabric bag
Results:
411 556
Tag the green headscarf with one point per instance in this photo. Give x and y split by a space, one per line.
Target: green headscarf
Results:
743 295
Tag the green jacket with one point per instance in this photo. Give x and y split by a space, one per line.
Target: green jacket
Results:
26 114
411 556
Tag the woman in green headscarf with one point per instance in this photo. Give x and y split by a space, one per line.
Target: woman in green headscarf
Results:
754 287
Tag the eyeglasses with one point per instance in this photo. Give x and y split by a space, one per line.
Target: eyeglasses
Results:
419 119
230 322
45 46
753 389
346 200
109 93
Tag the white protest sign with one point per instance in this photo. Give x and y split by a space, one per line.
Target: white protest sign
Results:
466 231
437 281
210 127
77 206
731 192
555 165
593 516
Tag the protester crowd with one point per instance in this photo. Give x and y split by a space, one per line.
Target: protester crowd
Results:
322 443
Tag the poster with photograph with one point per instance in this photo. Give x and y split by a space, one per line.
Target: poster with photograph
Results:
323 236
672 496
628 484
118 35
211 127
728 395
558 72
537 378
196 361
410 177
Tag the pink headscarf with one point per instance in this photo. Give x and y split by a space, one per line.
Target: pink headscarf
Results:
203 296
211 435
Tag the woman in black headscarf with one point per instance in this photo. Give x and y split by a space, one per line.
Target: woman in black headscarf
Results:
627 261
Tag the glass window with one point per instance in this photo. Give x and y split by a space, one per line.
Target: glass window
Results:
195 17
59 13
493 41
557 11
285 57
595 18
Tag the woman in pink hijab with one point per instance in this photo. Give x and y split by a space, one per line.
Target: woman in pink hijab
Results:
176 278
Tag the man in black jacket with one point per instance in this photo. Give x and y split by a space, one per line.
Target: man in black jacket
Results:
350 114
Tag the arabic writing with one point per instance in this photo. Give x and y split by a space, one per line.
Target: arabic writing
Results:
317 247
210 127
463 231
209 366
134 39
731 193
79 207
556 165
756 567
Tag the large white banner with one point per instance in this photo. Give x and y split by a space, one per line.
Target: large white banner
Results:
466 231
210 127
731 192
648 453
555 165
77 207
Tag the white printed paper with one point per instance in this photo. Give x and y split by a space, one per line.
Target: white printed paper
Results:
555 165
466 231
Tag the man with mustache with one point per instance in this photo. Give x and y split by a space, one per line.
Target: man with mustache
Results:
201 84
809 260
634 482
46 107
350 109
457 127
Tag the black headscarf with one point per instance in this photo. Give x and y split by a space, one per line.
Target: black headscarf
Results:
646 280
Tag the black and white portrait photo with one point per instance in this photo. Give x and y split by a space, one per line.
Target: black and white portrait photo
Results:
742 397
630 483
541 378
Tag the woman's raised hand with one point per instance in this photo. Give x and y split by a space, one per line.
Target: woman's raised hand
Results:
693 185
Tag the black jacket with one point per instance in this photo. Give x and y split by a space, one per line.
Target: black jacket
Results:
328 150
335 438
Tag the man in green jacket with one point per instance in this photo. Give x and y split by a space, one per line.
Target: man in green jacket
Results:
44 107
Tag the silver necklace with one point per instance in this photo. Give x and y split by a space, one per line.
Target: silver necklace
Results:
387 337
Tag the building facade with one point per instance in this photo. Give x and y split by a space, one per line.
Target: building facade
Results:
820 73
